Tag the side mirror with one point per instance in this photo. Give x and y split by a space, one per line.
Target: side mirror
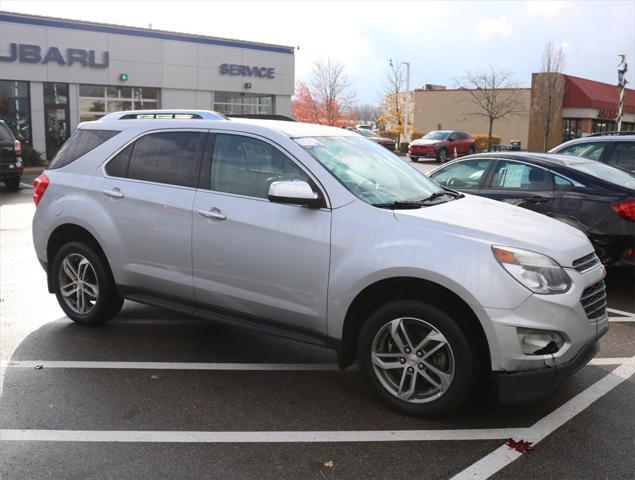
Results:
294 192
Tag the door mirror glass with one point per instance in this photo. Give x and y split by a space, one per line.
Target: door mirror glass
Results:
294 192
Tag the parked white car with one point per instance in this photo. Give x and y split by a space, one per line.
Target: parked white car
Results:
318 234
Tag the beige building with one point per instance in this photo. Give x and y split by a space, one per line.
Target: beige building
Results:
441 109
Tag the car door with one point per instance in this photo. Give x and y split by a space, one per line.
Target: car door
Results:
521 184
148 190
464 175
251 256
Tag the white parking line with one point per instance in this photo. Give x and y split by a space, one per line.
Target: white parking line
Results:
26 185
170 365
621 312
621 319
258 437
70 364
504 455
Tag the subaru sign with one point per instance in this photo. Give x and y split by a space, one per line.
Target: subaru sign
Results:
26 53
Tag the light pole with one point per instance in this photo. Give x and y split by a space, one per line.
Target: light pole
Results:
407 103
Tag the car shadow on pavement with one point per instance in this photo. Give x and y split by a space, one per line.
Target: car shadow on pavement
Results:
228 400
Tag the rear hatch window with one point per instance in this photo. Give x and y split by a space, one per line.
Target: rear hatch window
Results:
79 144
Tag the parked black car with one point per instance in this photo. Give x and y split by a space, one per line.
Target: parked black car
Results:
617 150
588 195
388 143
10 158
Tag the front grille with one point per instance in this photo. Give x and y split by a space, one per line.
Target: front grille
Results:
586 263
593 300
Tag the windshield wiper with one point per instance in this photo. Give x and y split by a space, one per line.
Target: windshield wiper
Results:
444 193
424 202
399 205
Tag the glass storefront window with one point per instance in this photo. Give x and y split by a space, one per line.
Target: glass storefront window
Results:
243 103
15 109
97 100
571 128
56 116
602 126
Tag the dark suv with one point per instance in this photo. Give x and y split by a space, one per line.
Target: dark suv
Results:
10 158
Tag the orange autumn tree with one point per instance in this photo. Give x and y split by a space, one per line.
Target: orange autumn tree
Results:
328 99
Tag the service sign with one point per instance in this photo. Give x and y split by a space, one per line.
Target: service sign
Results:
25 53
247 71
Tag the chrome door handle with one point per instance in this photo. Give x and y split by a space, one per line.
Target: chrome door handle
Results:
114 193
212 213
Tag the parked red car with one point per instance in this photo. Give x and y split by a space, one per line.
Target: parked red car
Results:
440 144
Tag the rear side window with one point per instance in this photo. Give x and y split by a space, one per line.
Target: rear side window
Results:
165 157
118 166
79 144
591 150
520 176
5 133
623 155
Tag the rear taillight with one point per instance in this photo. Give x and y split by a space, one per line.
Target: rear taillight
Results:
39 187
625 209
17 147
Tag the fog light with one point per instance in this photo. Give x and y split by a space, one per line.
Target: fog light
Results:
539 342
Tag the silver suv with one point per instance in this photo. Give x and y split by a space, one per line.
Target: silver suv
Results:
320 235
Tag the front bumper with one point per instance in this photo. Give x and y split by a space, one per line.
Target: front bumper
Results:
527 386
428 153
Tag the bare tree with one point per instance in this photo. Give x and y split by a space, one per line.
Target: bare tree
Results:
549 88
393 95
492 92
331 89
366 113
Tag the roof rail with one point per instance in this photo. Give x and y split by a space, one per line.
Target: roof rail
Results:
164 114
261 116
608 134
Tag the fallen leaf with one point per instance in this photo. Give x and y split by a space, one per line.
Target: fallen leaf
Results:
329 464
520 446
39 366
154 377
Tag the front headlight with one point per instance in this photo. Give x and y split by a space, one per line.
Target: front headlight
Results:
537 272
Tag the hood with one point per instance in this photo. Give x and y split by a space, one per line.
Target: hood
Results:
499 223
421 142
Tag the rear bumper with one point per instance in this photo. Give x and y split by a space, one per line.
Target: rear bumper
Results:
7 172
527 386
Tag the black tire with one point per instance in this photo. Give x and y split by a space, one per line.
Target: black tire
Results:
108 302
442 155
465 372
414 159
12 184
471 151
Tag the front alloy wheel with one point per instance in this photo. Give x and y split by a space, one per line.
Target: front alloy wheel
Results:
416 357
413 360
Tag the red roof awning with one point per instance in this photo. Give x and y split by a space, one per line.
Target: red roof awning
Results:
583 93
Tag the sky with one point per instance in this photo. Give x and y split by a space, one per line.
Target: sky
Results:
441 40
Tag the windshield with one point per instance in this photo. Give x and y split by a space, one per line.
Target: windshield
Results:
368 170
436 135
606 173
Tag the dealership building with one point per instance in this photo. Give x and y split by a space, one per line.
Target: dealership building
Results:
55 73
581 107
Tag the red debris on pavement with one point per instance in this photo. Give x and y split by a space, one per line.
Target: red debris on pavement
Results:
520 445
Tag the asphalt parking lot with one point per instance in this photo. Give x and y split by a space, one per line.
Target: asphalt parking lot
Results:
156 395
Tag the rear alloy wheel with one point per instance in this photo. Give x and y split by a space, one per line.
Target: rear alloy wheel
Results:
12 184
83 285
416 358
442 156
